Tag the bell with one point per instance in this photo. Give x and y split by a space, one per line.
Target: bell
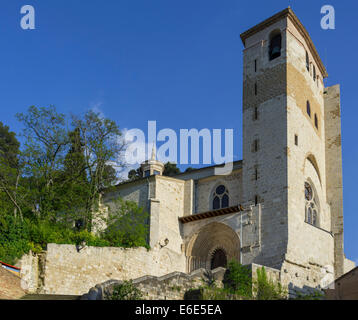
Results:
276 50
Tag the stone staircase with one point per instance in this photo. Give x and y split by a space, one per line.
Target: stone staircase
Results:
173 286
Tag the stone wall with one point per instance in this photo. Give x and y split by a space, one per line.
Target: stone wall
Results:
173 286
67 271
269 129
334 171
206 187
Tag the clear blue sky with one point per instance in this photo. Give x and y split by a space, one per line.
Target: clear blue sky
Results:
176 62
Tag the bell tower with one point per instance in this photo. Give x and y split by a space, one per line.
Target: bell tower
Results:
284 148
152 166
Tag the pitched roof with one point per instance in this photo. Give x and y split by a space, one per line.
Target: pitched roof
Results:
210 214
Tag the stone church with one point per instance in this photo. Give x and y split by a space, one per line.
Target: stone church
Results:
280 207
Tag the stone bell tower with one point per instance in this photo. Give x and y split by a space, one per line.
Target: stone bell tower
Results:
284 149
152 166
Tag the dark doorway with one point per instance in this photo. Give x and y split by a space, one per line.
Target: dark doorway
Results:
218 259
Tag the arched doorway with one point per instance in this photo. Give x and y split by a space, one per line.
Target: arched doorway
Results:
214 245
218 259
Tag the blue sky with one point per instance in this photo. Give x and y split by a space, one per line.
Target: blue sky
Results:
176 62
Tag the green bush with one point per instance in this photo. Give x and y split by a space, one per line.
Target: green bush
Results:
127 225
237 279
267 289
125 291
239 285
127 228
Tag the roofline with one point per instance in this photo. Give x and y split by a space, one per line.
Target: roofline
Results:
143 179
291 15
210 214
204 168
345 274
9 265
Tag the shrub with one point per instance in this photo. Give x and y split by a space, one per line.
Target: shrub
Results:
127 228
237 279
267 289
239 285
125 291
127 225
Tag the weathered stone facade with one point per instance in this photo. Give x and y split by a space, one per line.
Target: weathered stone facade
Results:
72 272
291 136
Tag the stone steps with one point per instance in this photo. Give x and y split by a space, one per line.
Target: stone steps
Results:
172 286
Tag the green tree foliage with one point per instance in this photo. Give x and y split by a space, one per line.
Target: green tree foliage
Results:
100 138
171 169
127 224
267 289
55 178
46 142
238 279
127 228
10 172
239 285
135 174
125 291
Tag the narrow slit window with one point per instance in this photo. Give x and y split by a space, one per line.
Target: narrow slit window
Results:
296 139
256 115
255 65
307 62
316 121
308 107
256 145
255 89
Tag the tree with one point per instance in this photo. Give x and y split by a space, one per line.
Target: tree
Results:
46 143
127 224
102 150
135 174
74 185
171 169
10 170
68 166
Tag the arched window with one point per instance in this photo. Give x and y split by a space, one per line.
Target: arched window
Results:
311 208
308 108
316 120
275 46
220 197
